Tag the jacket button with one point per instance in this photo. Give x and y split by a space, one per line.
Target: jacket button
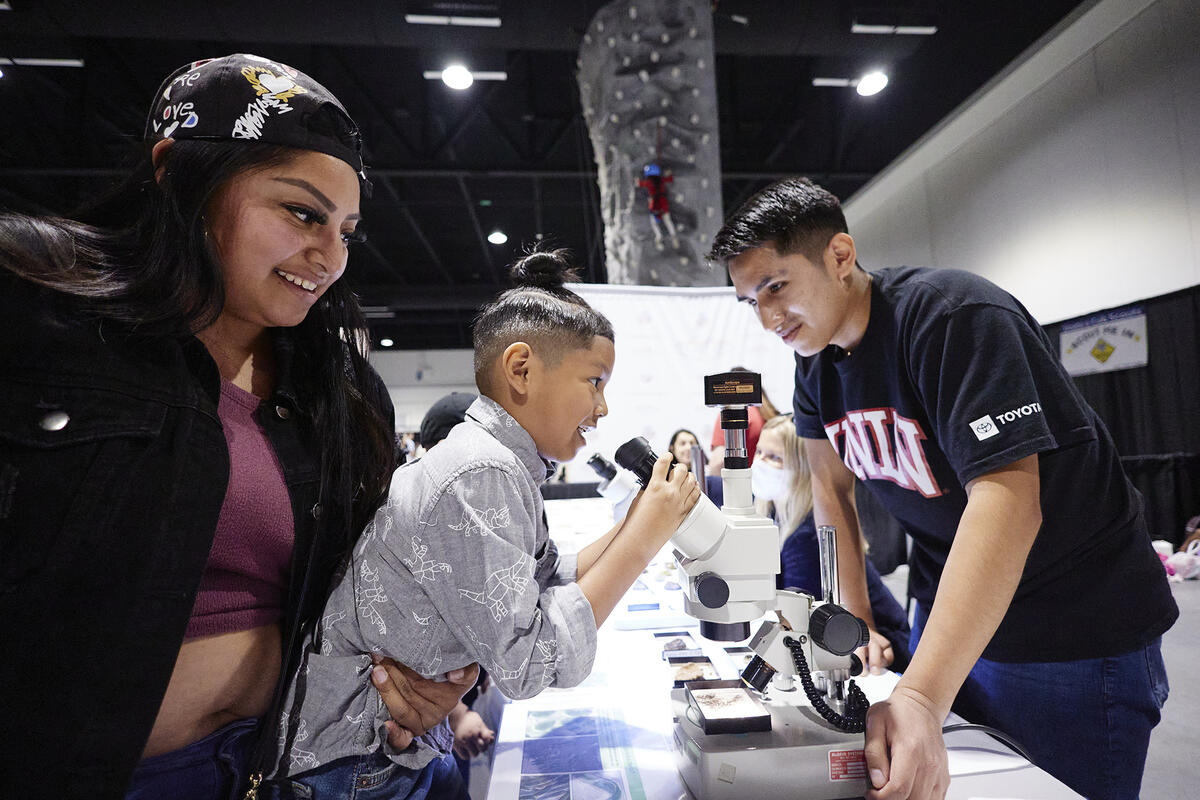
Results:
317 511
54 421
283 412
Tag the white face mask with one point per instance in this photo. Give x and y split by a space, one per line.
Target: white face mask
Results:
768 482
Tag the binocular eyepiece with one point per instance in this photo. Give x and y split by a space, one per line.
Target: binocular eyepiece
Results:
638 457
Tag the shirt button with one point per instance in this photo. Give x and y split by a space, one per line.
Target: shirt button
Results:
317 511
283 412
54 421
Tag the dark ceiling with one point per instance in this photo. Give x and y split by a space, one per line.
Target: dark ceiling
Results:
450 167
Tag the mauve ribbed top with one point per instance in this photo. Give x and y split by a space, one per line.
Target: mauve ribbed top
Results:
246 575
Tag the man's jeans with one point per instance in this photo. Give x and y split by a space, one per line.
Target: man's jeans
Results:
1085 722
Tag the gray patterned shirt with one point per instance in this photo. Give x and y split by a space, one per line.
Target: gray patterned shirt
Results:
456 567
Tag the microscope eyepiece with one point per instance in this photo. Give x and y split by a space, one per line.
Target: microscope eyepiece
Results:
638 457
603 467
758 674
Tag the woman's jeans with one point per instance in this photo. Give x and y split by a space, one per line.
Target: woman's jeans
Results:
213 768
1085 722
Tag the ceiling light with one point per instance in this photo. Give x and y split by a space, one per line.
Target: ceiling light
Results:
42 62
436 75
438 19
916 30
456 76
385 342
859 27
871 83
830 81
497 237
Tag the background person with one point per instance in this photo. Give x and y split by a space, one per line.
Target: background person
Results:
681 444
1040 601
188 444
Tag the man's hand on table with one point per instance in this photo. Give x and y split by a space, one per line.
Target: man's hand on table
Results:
906 755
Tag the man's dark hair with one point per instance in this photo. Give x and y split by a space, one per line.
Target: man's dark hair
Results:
540 311
793 215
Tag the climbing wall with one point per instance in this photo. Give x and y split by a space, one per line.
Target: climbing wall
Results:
649 96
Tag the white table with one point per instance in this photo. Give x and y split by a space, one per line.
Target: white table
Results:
611 736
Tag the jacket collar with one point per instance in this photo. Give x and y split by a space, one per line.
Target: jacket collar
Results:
284 347
492 417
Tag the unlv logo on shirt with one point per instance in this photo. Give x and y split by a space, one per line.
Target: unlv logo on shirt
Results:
880 444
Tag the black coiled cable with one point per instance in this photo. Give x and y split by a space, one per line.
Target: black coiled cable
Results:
855 718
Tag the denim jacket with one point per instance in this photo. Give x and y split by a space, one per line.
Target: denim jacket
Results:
113 469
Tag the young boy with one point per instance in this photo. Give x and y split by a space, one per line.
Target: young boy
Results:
458 567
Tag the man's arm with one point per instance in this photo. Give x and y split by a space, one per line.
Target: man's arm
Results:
993 539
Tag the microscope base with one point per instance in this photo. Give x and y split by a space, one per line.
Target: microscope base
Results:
801 756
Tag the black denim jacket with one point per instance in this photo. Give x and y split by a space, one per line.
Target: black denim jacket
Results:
113 469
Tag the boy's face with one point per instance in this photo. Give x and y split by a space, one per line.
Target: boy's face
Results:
567 399
794 298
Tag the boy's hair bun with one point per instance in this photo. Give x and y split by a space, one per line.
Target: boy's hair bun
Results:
548 270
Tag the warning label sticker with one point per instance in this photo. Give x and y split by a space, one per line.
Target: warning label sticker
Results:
847 765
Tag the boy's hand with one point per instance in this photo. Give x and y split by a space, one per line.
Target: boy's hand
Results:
415 703
667 499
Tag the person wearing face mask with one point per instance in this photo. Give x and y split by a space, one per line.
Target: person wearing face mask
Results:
782 484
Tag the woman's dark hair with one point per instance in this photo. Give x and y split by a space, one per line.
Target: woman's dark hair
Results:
677 434
141 257
540 311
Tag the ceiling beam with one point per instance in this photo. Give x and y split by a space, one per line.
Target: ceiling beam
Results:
483 242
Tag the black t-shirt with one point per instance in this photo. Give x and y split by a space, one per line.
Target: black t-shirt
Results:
954 379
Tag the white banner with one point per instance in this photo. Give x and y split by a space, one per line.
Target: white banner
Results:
1105 342
667 340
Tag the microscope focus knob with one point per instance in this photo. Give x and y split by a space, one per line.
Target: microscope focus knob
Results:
711 590
835 629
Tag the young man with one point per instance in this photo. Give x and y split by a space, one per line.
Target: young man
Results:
1040 601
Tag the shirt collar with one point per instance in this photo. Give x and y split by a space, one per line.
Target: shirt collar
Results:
499 423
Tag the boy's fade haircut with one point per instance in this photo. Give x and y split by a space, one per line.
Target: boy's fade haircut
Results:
539 311
793 215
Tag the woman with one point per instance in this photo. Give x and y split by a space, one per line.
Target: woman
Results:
782 485
681 444
191 438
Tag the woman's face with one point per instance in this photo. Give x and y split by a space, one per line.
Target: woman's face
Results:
682 449
770 448
280 236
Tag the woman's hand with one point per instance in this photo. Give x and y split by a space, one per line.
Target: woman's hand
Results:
415 703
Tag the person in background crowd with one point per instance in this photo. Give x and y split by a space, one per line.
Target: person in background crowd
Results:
681 444
1040 603
189 444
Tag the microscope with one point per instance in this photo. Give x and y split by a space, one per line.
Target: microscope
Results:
761 734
